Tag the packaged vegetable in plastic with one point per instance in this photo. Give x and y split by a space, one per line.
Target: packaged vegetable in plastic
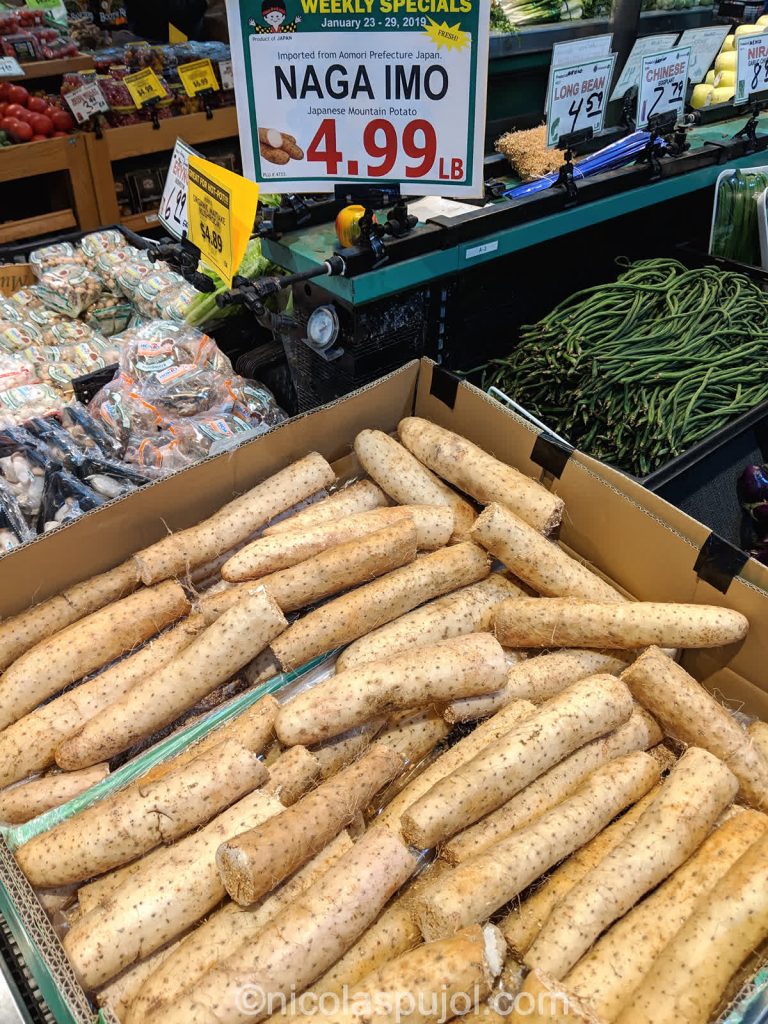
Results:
15 372
71 332
99 242
43 318
132 273
735 227
60 375
109 264
69 289
201 435
16 337
22 466
158 454
109 314
175 302
58 255
152 287
58 443
19 404
86 431
13 526
26 299
64 498
255 402
158 344
9 311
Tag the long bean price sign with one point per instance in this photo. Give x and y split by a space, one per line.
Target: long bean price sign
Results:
578 97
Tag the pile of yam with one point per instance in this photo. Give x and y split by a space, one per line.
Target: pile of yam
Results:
504 799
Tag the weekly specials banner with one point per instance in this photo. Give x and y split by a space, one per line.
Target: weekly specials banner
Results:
344 91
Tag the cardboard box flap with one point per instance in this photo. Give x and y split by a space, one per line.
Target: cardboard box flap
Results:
14 276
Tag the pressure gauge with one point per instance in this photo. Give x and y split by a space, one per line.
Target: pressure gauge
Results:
322 327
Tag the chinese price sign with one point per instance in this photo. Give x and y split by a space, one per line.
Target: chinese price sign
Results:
751 66
221 209
173 206
663 81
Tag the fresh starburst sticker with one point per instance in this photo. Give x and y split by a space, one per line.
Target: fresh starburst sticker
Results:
449 36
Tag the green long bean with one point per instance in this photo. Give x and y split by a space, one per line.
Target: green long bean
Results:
636 371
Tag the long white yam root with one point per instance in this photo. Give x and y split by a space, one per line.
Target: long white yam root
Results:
252 864
85 646
302 942
540 563
353 615
428 985
608 975
537 679
224 931
690 714
564 622
344 749
362 496
460 753
469 610
689 976
414 734
758 733
29 745
438 673
406 480
474 890
479 474
21 632
433 524
21 803
292 775
141 817
180 552
698 789
253 728
172 890
639 733
120 993
524 922
343 566
581 713
210 660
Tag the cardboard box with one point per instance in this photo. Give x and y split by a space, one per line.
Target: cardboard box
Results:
646 546
14 276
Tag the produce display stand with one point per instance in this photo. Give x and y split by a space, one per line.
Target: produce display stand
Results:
141 139
68 156
633 537
38 69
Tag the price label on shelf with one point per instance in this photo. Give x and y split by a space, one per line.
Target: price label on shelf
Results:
144 86
173 205
10 68
751 66
578 96
225 74
198 76
85 101
396 94
663 81
221 209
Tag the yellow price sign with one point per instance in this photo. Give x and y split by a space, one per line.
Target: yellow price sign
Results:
198 76
144 86
221 209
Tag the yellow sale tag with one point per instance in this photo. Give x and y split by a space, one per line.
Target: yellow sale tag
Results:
197 76
221 209
175 35
144 86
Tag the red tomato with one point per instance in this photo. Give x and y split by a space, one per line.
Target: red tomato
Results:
41 125
14 110
2 109
62 121
7 123
18 94
59 135
4 87
37 104
39 138
21 132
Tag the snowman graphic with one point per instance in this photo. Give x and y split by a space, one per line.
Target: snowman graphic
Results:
273 13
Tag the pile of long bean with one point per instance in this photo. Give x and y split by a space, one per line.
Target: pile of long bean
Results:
637 371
